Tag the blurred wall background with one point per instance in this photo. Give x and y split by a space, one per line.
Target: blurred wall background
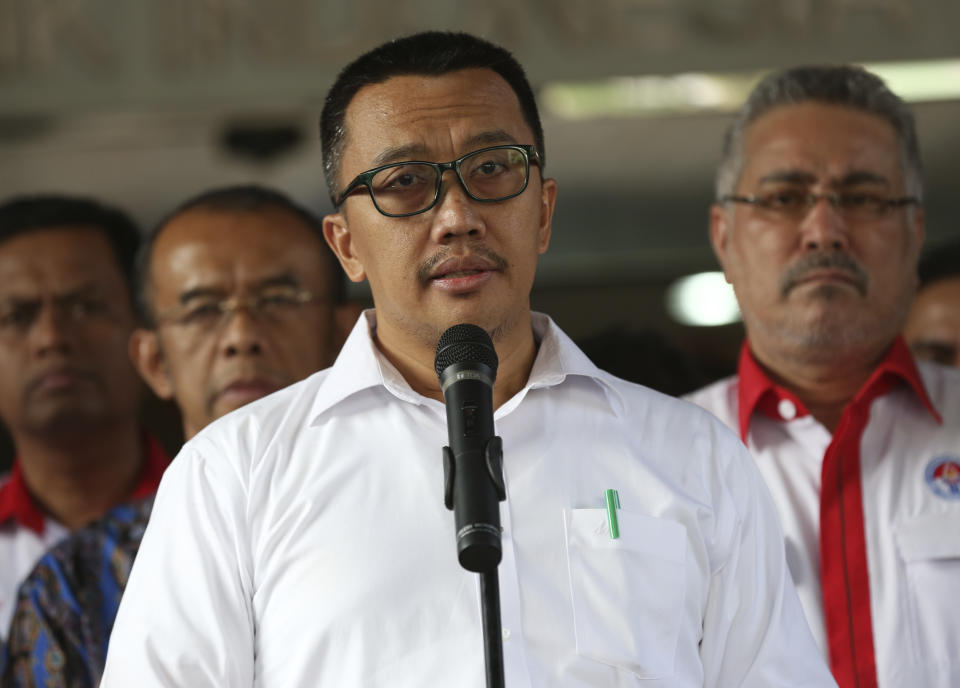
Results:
142 104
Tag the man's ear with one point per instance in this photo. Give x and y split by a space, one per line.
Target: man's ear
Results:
338 235
720 234
548 200
148 359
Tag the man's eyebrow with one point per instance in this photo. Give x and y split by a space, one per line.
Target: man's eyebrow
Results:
863 177
788 176
418 151
410 151
91 291
286 279
491 138
86 289
802 177
200 293
18 299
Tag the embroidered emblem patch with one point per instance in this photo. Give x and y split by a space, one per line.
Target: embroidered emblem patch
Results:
943 476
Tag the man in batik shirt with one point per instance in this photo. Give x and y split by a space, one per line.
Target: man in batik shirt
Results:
240 296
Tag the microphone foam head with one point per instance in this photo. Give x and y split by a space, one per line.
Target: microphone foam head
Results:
465 343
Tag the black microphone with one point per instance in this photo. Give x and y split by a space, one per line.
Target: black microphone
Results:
466 364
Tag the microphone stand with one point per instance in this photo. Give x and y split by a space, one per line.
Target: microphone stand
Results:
466 365
489 582
492 633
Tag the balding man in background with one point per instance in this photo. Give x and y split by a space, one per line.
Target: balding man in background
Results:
241 296
818 225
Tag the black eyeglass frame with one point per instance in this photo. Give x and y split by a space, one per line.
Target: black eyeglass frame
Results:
228 306
530 154
812 199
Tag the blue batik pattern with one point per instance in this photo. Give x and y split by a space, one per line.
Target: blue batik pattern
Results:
66 607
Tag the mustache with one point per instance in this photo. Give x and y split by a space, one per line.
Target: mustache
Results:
427 267
841 262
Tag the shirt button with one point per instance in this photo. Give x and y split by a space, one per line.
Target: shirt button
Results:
505 633
787 409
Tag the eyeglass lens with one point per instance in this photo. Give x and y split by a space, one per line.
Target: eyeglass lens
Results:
489 175
855 205
209 313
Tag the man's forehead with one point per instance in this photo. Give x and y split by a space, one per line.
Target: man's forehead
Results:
252 234
213 222
822 140
58 257
212 250
418 115
55 241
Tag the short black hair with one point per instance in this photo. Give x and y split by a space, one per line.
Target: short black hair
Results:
30 213
431 53
235 199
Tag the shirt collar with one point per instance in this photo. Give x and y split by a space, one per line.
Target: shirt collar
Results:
19 506
758 393
559 358
361 366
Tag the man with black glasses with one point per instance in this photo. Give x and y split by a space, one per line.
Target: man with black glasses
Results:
303 541
818 225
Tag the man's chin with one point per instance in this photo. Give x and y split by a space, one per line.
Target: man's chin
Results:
491 316
833 291
831 331
64 417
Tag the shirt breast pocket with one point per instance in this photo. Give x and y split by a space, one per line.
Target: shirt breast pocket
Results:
929 548
628 593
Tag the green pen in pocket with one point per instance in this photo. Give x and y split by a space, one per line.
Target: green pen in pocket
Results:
613 503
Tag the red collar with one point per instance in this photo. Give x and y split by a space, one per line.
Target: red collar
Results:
18 505
757 392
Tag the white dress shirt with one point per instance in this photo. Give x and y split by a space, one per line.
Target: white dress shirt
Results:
911 520
303 541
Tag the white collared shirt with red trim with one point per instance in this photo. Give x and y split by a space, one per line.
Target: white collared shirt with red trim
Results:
889 556
26 532
302 541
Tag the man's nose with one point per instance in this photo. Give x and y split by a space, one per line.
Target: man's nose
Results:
50 331
456 214
824 228
241 334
